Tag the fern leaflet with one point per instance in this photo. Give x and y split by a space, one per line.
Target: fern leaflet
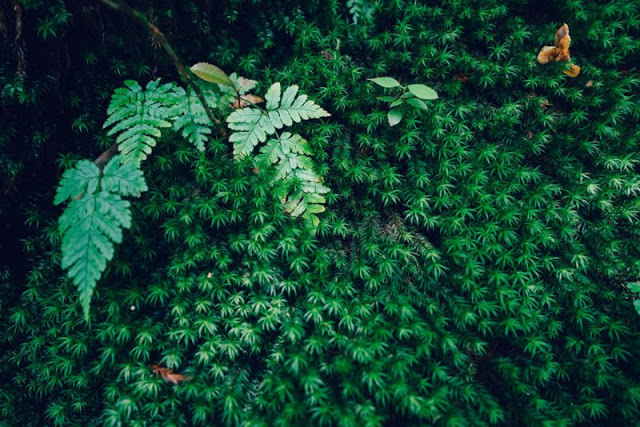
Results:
94 219
299 187
252 125
138 114
192 122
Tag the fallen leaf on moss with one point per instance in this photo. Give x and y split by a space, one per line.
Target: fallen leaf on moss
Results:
168 375
327 55
461 77
559 51
573 71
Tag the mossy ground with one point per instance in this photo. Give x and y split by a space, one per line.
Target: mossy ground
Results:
470 268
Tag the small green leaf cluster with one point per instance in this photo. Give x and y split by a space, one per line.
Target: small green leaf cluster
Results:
413 95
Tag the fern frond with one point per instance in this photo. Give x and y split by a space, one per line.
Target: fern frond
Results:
138 114
241 85
193 123
84 176
125 179
95 218
89 226
300 189
252 126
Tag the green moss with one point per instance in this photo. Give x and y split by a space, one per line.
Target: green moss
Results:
470 269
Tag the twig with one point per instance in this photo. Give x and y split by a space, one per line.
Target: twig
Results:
155 32
104 158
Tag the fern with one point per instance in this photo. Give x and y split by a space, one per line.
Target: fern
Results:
192 122
300 188
95 218
137 115
97 214
253 125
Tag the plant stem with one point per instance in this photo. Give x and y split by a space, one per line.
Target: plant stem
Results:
184 72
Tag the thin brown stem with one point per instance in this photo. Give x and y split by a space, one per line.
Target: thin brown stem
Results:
155 32
104 158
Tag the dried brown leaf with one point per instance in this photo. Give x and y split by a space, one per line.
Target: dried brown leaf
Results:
573 71
327 55
559 51
168 375
246 100
547 54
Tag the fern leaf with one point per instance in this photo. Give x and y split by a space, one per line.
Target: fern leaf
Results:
90 226
136 116
299 187
95 218
273 96
125 179
193 123
85 176
252 126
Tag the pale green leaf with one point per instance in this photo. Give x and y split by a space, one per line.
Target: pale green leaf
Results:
394 116
273 96
387 98
422 91
418 103
211 73
387 82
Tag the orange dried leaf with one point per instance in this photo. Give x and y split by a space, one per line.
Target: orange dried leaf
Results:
573 71
169 375
560 35
327 55
547 54
559 51
461 77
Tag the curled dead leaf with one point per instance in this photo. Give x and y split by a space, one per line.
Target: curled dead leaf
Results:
573 71
327 55
169 375
547 54
559 51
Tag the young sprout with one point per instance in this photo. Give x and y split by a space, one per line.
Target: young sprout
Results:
412 95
